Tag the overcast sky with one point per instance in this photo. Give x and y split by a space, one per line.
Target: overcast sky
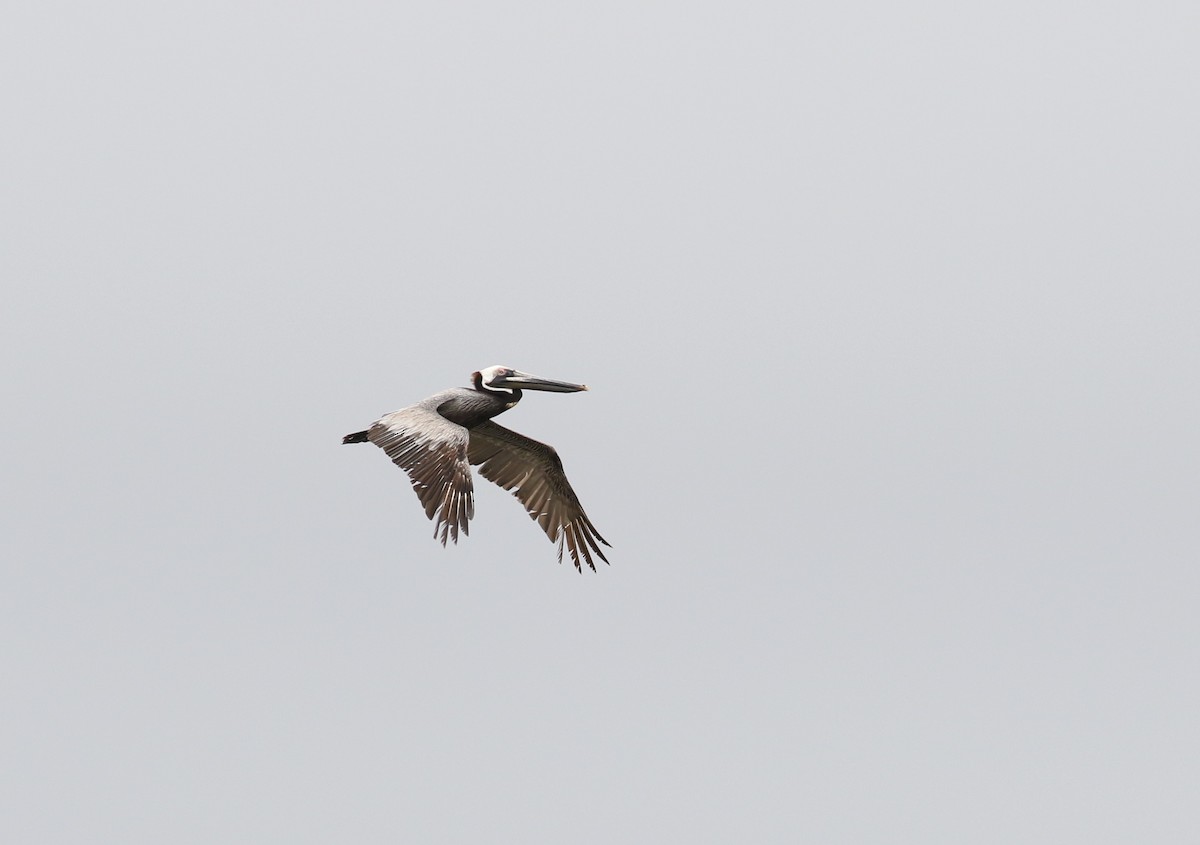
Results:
890 317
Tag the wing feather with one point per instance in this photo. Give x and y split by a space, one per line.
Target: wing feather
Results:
433 451
534 474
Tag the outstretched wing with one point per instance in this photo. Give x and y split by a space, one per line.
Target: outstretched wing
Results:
433 451
534 474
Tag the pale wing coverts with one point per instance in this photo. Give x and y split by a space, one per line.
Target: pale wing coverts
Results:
534 474
433 451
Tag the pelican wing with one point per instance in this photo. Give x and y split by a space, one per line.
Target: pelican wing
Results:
433 451
534 474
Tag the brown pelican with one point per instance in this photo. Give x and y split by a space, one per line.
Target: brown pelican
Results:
435 440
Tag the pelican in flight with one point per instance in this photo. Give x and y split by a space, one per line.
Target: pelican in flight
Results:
436 440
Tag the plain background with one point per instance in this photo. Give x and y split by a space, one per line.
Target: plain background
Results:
889 313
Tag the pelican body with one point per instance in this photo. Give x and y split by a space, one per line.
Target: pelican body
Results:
438 439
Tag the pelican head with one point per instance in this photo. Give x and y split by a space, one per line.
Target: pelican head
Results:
506 378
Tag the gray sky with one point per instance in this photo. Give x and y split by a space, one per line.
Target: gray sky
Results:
889 313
